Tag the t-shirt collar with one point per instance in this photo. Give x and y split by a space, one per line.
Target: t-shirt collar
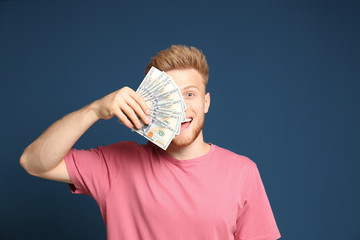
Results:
165 155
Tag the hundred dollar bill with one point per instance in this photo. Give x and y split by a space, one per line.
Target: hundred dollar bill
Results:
158 133
167 108
171 107
151 76
149 90
172 120
159 86
164 84
170 96
161 80
172 112
151 79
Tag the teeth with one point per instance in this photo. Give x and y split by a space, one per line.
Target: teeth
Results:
188 120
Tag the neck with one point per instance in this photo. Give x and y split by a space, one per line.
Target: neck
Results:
195 149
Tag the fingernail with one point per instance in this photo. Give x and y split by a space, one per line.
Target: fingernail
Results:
148 111
147 120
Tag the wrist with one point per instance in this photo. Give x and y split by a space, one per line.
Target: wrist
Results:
92 112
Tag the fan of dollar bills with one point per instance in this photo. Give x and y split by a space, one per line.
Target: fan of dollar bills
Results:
167 108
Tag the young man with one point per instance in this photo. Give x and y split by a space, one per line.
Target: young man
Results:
193 190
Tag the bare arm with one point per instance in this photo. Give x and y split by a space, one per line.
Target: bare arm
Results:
45 156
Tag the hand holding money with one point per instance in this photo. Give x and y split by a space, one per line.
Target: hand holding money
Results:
127 105
155 111
167 108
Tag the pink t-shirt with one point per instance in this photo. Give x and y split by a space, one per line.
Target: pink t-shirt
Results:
144 193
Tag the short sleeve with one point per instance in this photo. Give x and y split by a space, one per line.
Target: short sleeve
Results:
89 172
256 220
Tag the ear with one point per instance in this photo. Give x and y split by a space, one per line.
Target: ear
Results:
207 102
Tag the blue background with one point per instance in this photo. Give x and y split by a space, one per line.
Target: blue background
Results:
284 82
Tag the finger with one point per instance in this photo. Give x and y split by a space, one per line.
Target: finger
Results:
138 110
141 102
122 118
130 114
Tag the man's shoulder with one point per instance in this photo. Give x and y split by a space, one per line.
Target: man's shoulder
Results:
120 152
233 158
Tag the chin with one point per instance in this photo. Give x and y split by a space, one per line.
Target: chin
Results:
182 141
189 136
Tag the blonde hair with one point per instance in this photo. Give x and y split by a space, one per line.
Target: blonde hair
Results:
180 57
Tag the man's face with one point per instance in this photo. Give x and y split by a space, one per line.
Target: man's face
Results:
197 102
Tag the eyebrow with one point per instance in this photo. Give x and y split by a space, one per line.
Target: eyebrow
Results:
190 86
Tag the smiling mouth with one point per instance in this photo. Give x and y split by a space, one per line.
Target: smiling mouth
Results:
186 124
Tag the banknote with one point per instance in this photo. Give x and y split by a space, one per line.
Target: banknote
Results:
157 132
167 108
172 120
152 76
152 79
174 107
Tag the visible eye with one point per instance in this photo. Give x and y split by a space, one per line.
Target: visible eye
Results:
190 95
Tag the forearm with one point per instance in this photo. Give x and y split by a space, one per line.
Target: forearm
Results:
46 152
